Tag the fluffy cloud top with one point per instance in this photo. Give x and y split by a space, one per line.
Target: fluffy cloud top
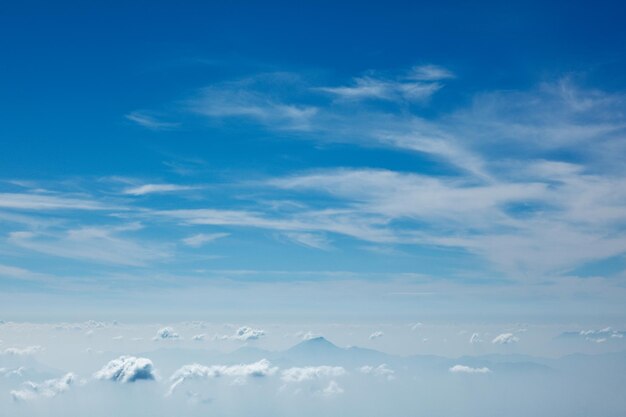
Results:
258 369
127 369
166 333
381 370
246 333
309 373
505 339
462 369
49 388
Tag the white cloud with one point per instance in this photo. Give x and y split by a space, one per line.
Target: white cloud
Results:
311 240
380 89
146 189
332 389
202 238
475 338
258 369
462 369
9 373
49 388
166 333
149 121
376 335
25 351
381 370
416 326
505 339
199 337
44 202
96 244
309 373
429 73
246 333
306 335
236 100
597 335
127 369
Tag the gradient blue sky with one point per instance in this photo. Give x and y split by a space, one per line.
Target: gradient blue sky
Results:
391 158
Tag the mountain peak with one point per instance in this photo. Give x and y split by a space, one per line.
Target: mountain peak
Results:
315 343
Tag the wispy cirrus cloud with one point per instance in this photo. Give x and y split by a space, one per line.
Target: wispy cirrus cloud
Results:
43 202
147 189
245 99
364 88
200 239
150 121
94 244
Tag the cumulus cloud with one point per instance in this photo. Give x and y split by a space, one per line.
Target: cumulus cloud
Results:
166 333
381 370
127 369
49 388
258 369
198 337
376 335
25 351
601 335
475 338
462 369
505 339
309 373
246 333
332 389
306 335
416 326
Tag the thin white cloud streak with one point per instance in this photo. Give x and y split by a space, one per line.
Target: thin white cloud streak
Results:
147 189
429 72
45 202
96 244
240 100
17 273
390 90
200 239
311 240
25 351
150 122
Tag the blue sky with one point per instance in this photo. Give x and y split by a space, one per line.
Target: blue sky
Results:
394 159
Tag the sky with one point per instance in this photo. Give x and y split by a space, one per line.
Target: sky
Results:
388 160
312 208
